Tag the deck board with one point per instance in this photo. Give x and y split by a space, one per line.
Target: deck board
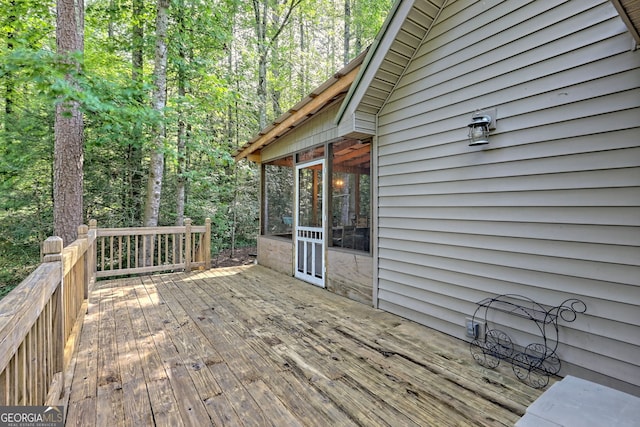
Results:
247 346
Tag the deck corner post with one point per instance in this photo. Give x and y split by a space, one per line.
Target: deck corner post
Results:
52 249
207 244
187 244
83 231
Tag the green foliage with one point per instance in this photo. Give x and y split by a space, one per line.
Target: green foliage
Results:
212 50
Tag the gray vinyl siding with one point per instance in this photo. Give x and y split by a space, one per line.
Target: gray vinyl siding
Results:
361 125
550 209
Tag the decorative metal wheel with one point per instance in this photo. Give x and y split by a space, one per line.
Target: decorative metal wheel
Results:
482 356
499 344
524 368
543 358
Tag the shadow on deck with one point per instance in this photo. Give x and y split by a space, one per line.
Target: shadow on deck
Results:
249 346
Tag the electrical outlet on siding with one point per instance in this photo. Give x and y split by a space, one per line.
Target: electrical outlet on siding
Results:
474 328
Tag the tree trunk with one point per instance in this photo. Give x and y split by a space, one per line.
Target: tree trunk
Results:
156 163
182 125
260 12
134 150
347 30
303 71
8 78
68 129
260 9
275 94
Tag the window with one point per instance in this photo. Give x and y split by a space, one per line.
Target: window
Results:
278 198
351 195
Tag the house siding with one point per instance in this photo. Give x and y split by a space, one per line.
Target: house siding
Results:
550 209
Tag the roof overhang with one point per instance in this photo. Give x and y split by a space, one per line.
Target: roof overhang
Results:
407 25
331 91
389 55
629 11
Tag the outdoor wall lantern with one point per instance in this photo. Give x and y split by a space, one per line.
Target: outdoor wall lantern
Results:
481 124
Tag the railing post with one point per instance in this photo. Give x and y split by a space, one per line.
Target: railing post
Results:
83 233
207 244
52 252
187 244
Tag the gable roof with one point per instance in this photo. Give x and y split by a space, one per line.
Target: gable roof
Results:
329 92
370 78
407 25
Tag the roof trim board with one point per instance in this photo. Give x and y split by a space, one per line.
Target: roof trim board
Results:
629 11
320 98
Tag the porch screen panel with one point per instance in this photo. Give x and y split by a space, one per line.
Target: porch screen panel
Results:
310 209
351 195
278 198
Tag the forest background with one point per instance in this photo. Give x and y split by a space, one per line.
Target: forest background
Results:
232 66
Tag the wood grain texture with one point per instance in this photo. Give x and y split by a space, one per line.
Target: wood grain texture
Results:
249 346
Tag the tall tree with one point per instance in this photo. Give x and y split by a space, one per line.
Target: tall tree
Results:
8 80
347 31
134 149
182 119
266 40
68 149
159 101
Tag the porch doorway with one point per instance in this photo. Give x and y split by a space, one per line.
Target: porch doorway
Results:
309 225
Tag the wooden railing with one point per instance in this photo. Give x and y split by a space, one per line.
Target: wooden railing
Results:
41 319
122 251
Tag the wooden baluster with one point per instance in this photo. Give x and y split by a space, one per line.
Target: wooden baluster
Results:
207 244
166 249
111 253
144 250
119 252
83 233
128 252
187 244
136 259
102 254
93 226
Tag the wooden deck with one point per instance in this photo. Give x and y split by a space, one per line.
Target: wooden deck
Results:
250 347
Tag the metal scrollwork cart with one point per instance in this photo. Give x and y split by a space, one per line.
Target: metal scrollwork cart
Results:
534 363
